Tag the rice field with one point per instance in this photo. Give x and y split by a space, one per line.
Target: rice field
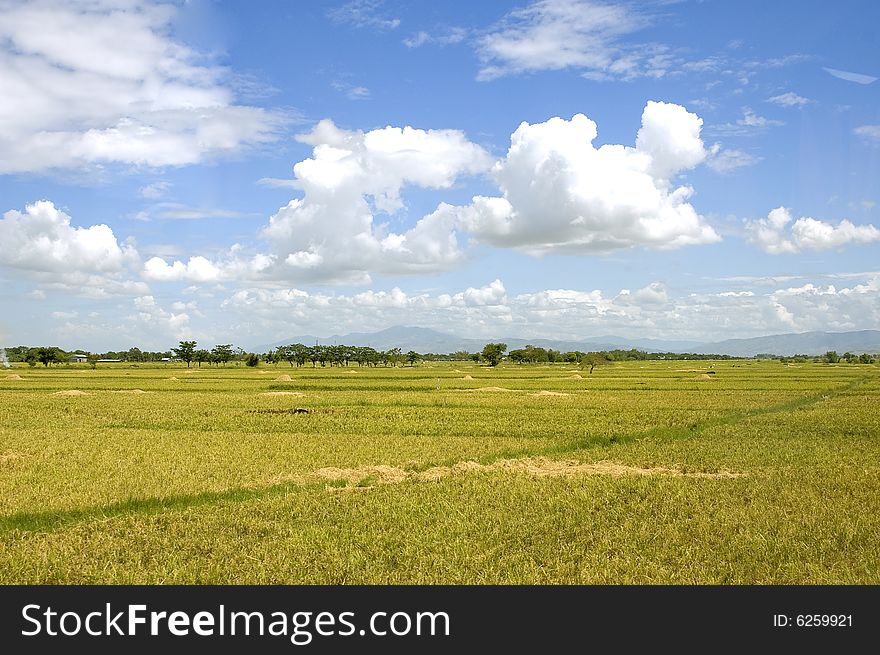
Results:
446 473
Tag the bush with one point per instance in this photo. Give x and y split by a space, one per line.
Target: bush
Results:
251 360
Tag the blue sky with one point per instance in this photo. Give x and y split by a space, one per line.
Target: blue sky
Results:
249 172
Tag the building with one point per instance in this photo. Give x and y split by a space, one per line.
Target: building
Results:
78 358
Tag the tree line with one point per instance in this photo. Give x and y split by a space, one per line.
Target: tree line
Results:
297 354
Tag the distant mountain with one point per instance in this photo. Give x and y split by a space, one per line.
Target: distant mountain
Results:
806 343
426 340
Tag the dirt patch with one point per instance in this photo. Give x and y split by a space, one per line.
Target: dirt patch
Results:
14 377
368 476
71 392
281 393
381 474
284 378
134 392
549 393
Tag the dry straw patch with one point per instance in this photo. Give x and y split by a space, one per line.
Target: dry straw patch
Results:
491 389
71 392
544 393
132 392
8 457
283 378
365 477
14 376
467 377
282 393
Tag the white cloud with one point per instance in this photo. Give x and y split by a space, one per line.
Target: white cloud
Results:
42 240
805 233
332 231
723 160
101 82
864 205
561 194
277 183
449 37
363 13
749 125
578 34
178 212
159 321
868 132
489 312
790 99
859 78
351 91
154 190
197 269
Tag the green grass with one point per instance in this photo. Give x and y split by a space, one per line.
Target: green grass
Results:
205 479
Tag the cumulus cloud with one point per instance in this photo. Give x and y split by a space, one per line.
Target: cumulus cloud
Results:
102 82
490 312
42 245
561 194
151 316
772 235
42 239
352 177
579 34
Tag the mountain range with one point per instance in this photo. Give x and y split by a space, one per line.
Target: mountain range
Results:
426 340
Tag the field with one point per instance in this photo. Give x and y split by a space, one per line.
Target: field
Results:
640 473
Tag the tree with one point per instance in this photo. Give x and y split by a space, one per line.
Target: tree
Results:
461 355
594 359
866 358
222 353
202 355
393 356
50 355
185 351
412 357
251 360
493 352
832 357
